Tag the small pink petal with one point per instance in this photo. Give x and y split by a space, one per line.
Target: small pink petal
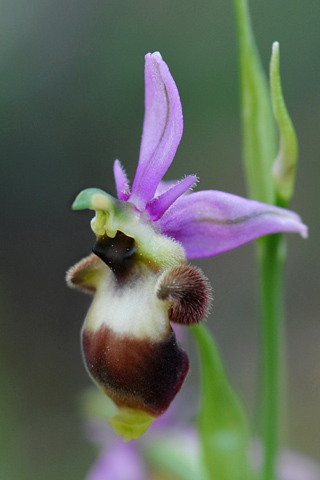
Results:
164 185
159 205
122 183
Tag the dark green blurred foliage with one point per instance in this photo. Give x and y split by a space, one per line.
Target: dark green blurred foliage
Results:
72 101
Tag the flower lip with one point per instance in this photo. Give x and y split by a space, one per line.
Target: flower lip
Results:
139 374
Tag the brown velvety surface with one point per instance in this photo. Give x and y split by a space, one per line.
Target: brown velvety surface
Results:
135 373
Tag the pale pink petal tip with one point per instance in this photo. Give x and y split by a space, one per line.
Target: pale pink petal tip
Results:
157 55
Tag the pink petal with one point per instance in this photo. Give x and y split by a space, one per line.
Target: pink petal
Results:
208 223
164 185
121 462
122 183
293 466
158 206
162 129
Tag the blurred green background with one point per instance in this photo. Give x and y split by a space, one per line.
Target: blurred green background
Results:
72 93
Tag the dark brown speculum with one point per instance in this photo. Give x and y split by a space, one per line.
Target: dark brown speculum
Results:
118 253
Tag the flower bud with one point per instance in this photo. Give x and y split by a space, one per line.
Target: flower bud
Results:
284 167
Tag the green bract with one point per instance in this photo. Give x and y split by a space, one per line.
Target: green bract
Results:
223 424
259 146
284 168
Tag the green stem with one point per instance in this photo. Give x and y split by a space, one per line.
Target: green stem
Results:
271 261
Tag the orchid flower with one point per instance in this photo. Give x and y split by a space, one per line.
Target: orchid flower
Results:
138 272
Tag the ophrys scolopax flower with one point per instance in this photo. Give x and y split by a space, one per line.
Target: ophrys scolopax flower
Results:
138 272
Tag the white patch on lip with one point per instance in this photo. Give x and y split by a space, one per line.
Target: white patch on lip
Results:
132 310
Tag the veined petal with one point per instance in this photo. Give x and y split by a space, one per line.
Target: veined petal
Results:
208 223
122 183
162 129
158 206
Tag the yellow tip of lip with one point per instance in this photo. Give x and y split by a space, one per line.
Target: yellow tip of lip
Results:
131 424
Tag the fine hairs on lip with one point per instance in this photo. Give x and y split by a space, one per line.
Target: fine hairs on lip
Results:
189 291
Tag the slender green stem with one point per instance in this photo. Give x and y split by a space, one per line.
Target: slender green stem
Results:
271 262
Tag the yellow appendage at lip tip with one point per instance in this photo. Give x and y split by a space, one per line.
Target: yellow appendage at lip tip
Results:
131 424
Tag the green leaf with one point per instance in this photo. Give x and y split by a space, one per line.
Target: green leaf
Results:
223 424
259 144
284 168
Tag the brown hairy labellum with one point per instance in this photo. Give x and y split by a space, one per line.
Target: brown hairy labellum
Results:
188 291
128 345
